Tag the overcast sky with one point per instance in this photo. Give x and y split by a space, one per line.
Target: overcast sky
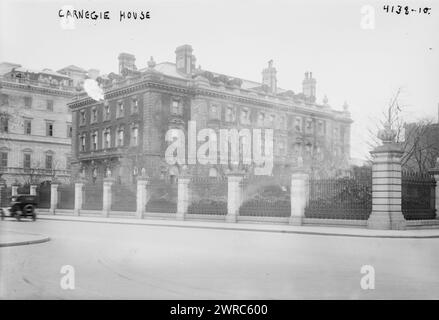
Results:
363 67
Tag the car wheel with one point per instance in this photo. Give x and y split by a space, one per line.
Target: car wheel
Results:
28 210
2 213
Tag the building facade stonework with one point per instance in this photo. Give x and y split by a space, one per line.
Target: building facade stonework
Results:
35 133
124 135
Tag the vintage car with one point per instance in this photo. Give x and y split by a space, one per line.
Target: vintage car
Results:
21 205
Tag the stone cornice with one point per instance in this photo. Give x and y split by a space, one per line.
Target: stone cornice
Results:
189 87
36 89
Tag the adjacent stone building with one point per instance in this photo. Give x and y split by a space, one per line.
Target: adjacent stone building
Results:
124 135
36 128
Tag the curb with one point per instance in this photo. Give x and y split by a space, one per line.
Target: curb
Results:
24 243
240 228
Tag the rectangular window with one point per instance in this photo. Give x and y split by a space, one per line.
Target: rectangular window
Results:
49 105
230 114
94 141
134 136
107 138
298 124
3 159
94 115
120 109
28 102
120 137
82 118
49 129
4 122
321 127
49 161
215 111
245 116
308 125
107 112
69 131
82 138
261 118
4 99
27 160
28 126
272 120
175 106
135 106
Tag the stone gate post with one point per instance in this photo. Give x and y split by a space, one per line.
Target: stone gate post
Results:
234 195
33 190
435 172
14 189
53 197
386 183
183 196
141 197
79 187
299 197
106 197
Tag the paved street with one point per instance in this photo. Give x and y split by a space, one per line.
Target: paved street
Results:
139 261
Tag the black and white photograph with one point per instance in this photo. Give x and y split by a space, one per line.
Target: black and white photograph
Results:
219 150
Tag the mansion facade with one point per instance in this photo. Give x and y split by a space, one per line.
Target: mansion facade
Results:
36 127
123 135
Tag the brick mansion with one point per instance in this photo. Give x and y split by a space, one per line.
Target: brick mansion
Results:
124 134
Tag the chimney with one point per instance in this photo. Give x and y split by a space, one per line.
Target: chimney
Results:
127 60
269 77
309 86
184 59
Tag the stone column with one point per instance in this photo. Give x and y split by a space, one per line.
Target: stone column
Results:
386 184
33 189
141 197
106 197
183 197
79 187
299 197
234 196
435 172
53 197
14 189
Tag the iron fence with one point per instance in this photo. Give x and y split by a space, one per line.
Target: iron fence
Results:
208 195
44 193
66 196
93 194
266 196
162 196
418 196
123 197
340 198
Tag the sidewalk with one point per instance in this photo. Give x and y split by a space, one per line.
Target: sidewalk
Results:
255 227
10 238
